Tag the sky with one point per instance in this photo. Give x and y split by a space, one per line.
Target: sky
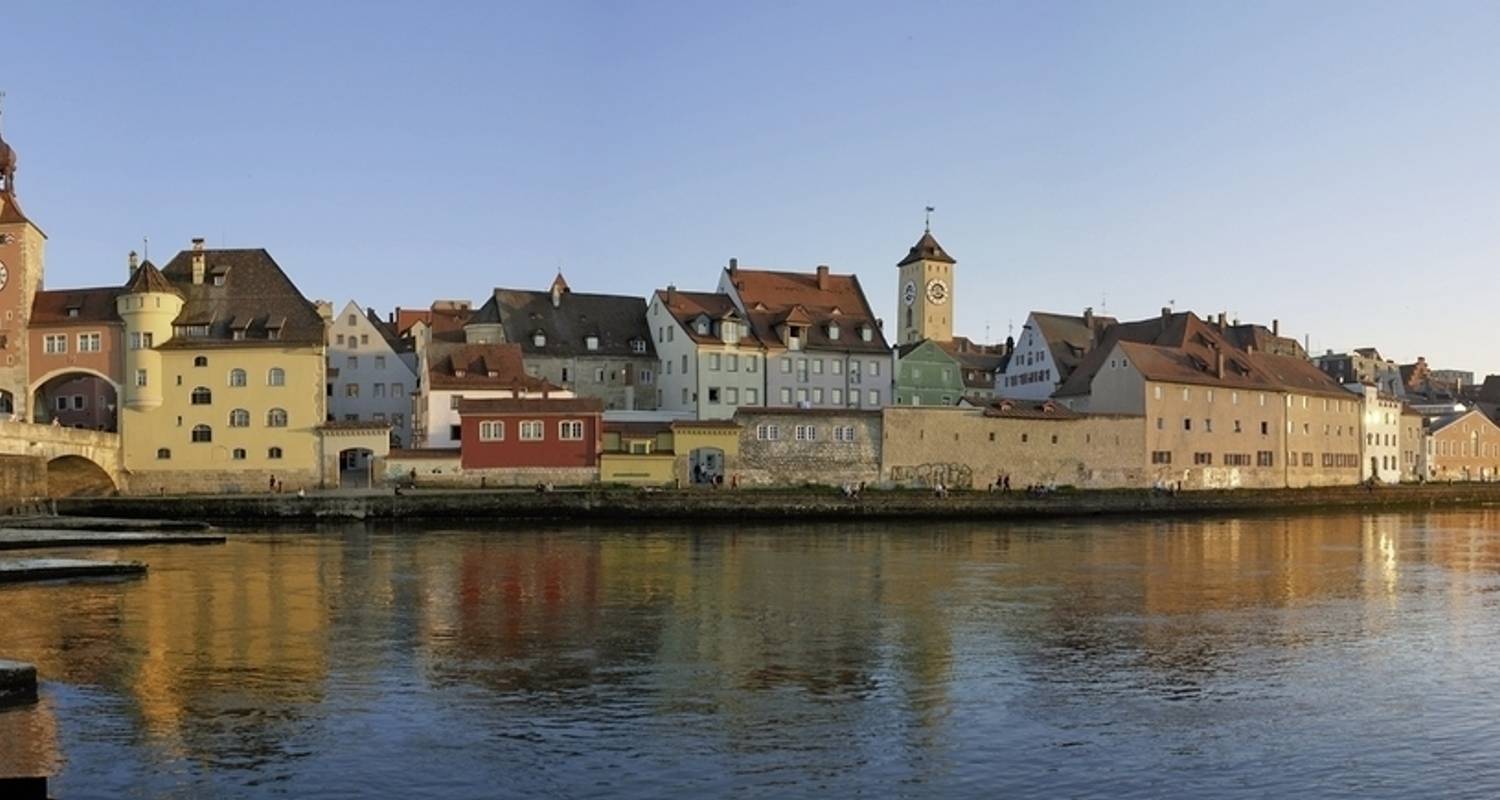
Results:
1332 165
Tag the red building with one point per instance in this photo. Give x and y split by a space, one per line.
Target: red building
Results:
531 432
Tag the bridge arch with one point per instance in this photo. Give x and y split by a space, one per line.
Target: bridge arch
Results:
77 476
76 396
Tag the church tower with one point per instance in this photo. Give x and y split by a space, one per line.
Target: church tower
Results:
924 305
22 246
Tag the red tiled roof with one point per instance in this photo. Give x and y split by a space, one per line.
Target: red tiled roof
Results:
481 366
441 320
94 305
818 298
687 307
1026 409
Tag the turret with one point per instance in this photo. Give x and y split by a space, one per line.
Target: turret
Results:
148 306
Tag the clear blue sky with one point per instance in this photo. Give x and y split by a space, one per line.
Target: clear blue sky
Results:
1334 165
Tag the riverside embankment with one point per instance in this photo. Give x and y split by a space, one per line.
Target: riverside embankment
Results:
625 505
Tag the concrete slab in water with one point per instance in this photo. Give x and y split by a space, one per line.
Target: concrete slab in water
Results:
104 524
17 683
29 539
51 569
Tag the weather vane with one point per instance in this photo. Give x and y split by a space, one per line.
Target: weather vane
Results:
2 110
928 223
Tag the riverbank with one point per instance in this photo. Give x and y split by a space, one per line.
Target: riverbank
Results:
625 505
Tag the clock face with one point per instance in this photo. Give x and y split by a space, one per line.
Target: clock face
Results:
937 291
4 276
910 294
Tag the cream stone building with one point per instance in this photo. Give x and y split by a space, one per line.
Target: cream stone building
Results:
224 377
1217 415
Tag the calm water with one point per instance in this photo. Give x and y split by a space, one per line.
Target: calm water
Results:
1330 656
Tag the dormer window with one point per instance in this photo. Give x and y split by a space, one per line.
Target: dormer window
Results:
702 326
729 331
866 333
459 372
219 279
539 339
793 337
833 331
591 342
73 311
637 345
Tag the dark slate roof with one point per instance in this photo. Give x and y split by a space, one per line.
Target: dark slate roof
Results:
257 297
93 305
1070 338
926 249
1263 340
616 319
147 278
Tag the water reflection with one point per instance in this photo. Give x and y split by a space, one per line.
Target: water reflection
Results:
955 659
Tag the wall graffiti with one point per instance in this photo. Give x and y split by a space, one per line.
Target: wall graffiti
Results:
953 475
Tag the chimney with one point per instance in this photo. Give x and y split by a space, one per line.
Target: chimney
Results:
822 277
198 261
133 261
734 266
556 295
1166 314
1088 318
1275 327
1221 321
671 293
1219 364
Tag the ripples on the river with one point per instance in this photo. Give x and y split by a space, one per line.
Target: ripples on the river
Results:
1340 656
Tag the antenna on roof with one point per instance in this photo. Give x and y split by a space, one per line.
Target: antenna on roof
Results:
2 110
1104 302
927 224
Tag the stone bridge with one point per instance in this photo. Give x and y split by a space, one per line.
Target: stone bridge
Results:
78 462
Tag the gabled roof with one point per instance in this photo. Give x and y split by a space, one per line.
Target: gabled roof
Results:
617 321
1069 338
387 332
926 249
93 305
687 307
1264 340
441 319
1438 424
257 298
481 366
814 299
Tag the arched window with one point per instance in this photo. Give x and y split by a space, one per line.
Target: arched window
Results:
203 433
237 377
276 418
202 396
200 361
274 452
163 453
239 418
7 403
239 454
276 377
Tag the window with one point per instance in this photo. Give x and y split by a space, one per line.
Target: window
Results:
786 396
55 343
163 454
398 390
836 396
239 418
786 366
1265 429
455 432
492 431
806 433
684 364
843 433
352 362
1237 428
276 418
276 377
236 377
637 345
875 368
751 364
1187 423
817 366
1161 456
352 390
1208 426
202 396
684 395
239 454
838 366
379 389
1161 423
531 430
732 362
379 362
646 376
203 433
88 343
732 396
752 396
1265 458
570 430
591 342
539 339
339 339
767 433
1236 459
874 398
364 338
140 377
713 394
1156 391
353 320
273 453
62 404
817 395
200 361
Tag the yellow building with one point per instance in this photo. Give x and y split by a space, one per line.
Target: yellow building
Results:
224 385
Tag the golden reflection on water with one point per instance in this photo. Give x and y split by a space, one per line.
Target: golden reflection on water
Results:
266 628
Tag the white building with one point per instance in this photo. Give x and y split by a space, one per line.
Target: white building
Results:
1380 422
457 371
371 373
1047 351
711 361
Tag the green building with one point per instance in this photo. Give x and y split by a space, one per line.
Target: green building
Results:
932 373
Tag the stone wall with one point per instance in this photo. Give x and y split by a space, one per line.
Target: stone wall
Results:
447 472
825 459
962 448
239 481
21 478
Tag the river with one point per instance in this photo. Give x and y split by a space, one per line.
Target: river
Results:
1319 655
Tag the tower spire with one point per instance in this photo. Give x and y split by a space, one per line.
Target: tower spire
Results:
927 222
7 156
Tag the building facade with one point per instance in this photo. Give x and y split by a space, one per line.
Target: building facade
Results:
1380 421
519 441
456 372
824 447
925 284
927 375
1044 355
711 362
1465 447
824 345
76 357
593 345
224 384
372 373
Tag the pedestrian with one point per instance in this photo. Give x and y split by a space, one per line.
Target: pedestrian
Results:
272 486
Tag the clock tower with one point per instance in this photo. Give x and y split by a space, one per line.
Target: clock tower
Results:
21 259
924 302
